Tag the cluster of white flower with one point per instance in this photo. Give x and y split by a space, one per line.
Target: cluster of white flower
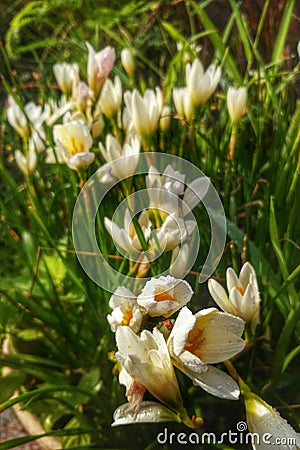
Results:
165 223
191 342
78 118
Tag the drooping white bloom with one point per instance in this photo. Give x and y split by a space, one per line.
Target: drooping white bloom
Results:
126 238
148 412
208 337
183 103
144 111
201 85
27 164
99 66
147 361
113 151
128 62
244 299
18 120
179 260
73 142
164 295
173 231
236 103
298 49
111 97
271 430
82 95
164 190
125 310
66 75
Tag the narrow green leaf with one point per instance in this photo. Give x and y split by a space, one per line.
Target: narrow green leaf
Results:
282 32
242 28
280 258
289 358
9 384
216 40
283 344
174 33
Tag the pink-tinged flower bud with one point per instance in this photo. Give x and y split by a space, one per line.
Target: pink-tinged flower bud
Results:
99 67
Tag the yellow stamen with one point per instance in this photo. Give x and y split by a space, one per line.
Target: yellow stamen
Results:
127 316
194 340
241 290
163 296
131 231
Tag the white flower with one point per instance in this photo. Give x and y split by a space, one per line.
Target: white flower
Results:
18 120
125 310
164 295
111 97
81 161
163 191
125 238
183 103
27 164
179 260
243 300
147 360
128 62
148 412
201 85
173 232
271 428
145 111
121 169
82 95
165 118
66 75
208 337
99 66
236 103
298 49
73 142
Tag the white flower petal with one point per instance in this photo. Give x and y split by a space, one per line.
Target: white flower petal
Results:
219 295
219 345
232 279
149 412
81 161
215 382
194 193
267 422
183 325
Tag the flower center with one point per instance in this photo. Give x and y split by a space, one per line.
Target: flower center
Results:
241 290
127 316
194 341
163 296
76 147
